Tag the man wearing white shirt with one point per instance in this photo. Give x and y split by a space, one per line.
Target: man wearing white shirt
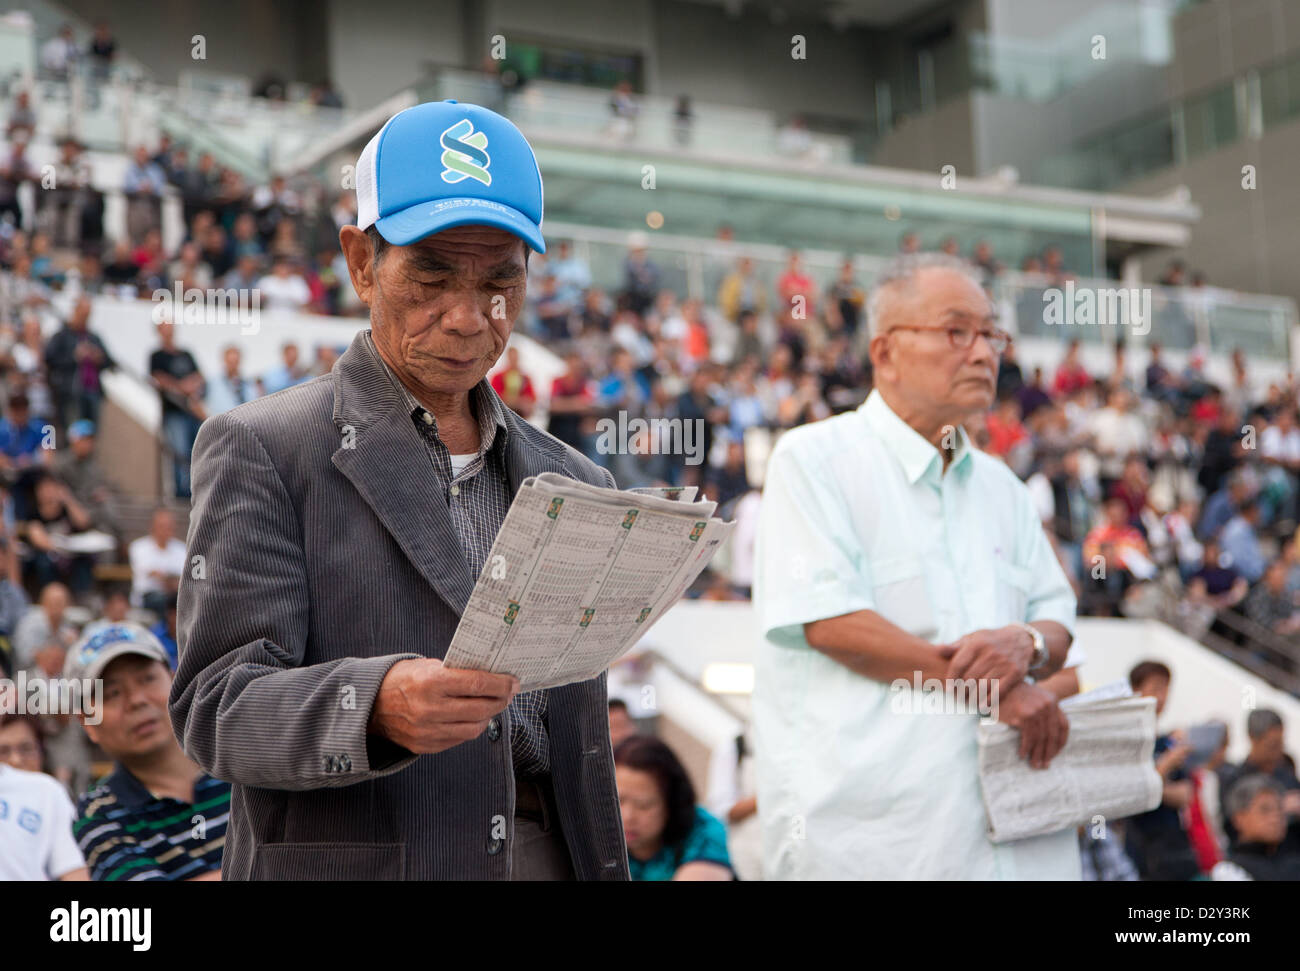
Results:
157 561
1279 448
283 289
1118 431
232 388
890 550
60 53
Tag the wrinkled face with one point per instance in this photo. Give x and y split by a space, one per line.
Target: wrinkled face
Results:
644 812
923 368
443 308
135 720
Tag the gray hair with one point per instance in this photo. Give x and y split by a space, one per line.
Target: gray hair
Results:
378 245
1242 795
1262 720
903 269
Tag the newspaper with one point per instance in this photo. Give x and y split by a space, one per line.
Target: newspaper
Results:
576 577
1106 768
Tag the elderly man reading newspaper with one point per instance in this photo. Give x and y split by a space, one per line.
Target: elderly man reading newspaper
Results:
892 554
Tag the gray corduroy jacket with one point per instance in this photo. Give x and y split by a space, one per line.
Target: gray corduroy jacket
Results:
316 562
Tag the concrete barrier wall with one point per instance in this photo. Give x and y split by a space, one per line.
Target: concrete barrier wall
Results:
695 634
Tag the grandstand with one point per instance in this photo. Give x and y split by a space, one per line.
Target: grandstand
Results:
729 179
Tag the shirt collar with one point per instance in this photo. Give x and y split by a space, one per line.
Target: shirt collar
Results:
130 791
486 405
913 451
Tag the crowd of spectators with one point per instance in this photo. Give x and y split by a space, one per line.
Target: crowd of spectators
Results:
1216 820
1165 493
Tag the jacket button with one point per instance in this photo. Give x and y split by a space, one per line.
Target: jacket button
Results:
345 762
494 847
494 729
329 763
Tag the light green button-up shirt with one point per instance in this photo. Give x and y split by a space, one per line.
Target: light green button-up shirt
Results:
859 514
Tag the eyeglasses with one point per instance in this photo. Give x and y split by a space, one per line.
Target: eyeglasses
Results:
961 338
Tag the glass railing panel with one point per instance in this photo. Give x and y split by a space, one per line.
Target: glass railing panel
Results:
1279 92
1260 331
1210 120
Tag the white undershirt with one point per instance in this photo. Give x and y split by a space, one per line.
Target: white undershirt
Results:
459 462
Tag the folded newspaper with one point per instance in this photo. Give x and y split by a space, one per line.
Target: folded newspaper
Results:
1106 768
577 575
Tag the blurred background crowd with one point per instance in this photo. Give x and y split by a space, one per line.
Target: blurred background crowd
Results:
1167 491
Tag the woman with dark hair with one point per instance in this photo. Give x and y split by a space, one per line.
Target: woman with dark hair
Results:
36 841
21 744
668 836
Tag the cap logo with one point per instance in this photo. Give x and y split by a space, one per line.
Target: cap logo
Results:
463 154
104 638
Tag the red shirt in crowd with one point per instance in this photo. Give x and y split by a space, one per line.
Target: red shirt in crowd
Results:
1003 436
1069 379
515 389
1206 411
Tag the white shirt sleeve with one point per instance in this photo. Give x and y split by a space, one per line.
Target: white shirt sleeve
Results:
1050 594
1040 489
805 567
64 856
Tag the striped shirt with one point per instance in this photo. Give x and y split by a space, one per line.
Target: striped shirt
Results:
127 833
478 505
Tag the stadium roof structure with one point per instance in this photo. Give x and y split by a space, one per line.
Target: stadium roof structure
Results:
850 207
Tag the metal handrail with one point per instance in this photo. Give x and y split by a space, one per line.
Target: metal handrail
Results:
716 700
1281 675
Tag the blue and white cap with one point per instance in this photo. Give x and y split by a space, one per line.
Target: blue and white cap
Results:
104 643
445 164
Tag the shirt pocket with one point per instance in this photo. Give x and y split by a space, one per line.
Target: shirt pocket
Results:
1012 585
902 595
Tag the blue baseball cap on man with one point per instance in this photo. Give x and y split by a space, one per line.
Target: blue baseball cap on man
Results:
445 164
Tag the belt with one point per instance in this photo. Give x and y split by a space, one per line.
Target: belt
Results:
533 799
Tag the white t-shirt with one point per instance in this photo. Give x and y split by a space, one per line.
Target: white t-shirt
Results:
1276 444
146 557
1117 434
284 293
36 841
460 462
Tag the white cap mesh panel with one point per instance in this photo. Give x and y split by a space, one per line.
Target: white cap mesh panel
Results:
367 180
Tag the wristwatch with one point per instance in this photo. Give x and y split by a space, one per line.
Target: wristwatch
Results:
1041 654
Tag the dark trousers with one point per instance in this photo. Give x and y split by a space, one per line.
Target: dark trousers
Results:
538 850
